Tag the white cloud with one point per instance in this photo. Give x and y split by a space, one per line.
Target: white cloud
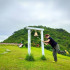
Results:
15 14
40 11
3 37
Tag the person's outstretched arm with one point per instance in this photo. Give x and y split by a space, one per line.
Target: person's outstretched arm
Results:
46 41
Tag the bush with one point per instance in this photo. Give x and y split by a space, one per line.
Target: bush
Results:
43 57
26 44
48 47
29 57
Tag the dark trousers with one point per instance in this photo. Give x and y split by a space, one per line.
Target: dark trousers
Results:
57 50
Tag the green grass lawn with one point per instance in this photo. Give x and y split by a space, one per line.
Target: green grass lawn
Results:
15 59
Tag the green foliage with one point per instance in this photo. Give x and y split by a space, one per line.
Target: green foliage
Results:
48 47
61 36
43 57
17 37
26 44
2 50
29 57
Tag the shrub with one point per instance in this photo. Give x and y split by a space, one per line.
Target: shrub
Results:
29 57
48 47
43 57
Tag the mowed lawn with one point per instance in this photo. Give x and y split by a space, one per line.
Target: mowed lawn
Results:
15 59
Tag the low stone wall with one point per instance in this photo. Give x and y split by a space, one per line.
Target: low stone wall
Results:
10 43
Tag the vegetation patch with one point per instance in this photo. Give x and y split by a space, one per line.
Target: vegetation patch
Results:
61 36
4 50
43 57
29 57
15 60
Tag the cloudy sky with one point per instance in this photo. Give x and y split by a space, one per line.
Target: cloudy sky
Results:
16 14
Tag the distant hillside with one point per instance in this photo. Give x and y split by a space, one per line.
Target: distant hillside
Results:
59 35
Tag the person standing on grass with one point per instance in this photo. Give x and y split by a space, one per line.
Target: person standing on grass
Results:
55 47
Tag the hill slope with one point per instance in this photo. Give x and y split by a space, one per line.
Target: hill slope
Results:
15 60
59 35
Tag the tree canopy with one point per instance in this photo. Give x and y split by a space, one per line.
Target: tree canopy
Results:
61 36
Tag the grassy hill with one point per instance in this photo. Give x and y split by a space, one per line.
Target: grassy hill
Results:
15 59
61 36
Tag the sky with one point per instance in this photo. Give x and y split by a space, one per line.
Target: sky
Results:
17 14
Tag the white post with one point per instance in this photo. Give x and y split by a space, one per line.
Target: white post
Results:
42 44
29 41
